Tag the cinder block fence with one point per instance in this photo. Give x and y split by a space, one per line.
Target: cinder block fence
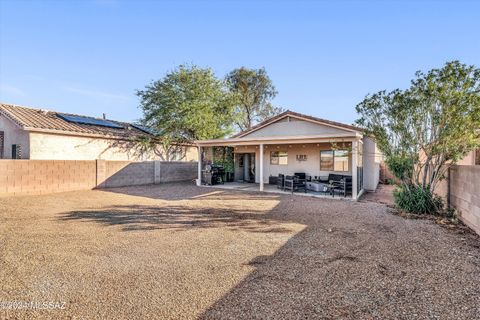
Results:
464 194
19 177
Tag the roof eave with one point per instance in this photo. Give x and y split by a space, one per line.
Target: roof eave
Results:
279 139
12 119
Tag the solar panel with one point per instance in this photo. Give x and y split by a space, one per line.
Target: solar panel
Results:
90 121
145 129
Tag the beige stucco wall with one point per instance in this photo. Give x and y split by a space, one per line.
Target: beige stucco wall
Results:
295 127
372 158
468 160
13 135
310 167
45 146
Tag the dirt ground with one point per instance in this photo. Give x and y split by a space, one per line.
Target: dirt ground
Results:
178 251
383 194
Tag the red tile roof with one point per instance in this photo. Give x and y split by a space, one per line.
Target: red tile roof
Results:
43 120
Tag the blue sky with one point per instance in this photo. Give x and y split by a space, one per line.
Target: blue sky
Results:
89 57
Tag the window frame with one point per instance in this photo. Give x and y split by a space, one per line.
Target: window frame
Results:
279 155
345 153
332 160
2 144
16 151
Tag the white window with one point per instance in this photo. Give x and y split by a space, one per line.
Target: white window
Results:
334 160
279 158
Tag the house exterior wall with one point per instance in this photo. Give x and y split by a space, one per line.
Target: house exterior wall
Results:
468 160
311 166
294 127
372 158
44 146
13 135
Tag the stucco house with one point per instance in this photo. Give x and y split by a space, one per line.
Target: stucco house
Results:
471 159
292 143
38 134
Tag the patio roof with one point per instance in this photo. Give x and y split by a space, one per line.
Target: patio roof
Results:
338 137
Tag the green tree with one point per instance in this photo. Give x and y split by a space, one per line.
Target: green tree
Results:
426 128
188 104
253 90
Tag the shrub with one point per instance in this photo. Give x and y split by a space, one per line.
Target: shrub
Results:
416 199
401 166
389 181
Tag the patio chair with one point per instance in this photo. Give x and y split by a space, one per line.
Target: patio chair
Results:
293 183
300 175
343 186
281 181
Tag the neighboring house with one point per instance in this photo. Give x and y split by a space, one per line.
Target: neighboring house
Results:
471 159
27 133
293 142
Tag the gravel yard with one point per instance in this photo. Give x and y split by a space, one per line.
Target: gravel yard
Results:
177 251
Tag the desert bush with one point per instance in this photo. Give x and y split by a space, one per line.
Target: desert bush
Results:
415 199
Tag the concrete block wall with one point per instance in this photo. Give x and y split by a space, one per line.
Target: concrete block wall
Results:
45 176
174 171
126 173
24 177
465 194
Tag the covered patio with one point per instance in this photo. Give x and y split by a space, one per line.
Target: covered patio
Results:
319 157
269 188
257 167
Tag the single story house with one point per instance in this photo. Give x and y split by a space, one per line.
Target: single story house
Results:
291 142
38 134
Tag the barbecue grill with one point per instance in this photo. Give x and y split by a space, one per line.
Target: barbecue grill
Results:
213 174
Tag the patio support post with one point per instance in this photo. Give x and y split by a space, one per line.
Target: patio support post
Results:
261 167
354 169
199 180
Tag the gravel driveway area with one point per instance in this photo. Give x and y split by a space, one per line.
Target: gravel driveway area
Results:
177 251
